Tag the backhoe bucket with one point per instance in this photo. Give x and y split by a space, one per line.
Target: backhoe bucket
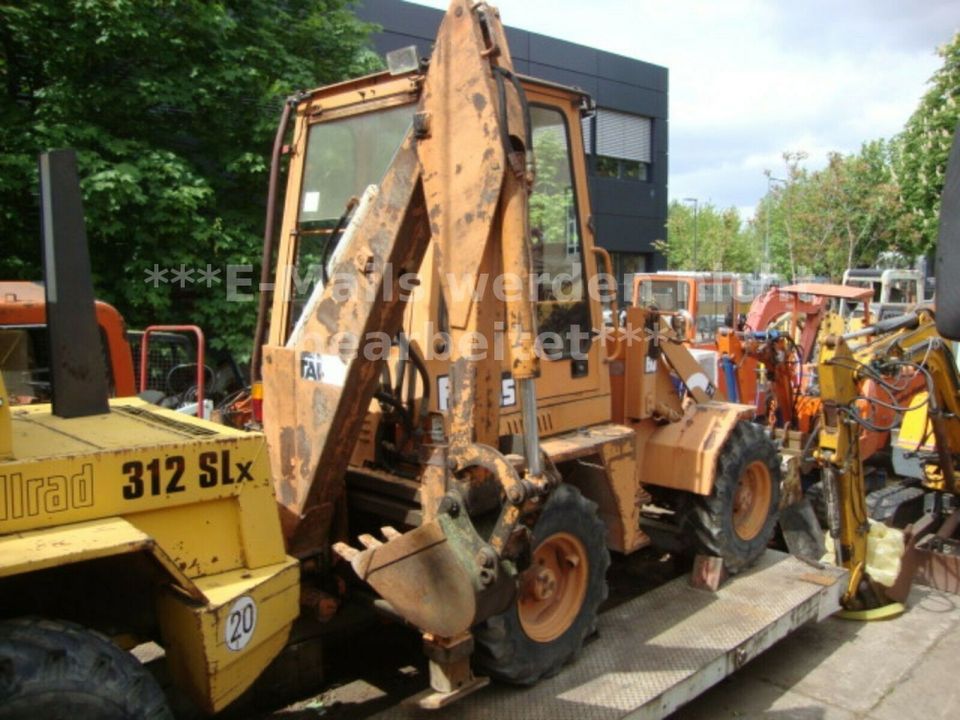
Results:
440 577
801 530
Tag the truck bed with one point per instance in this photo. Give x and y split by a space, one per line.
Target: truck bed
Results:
657 651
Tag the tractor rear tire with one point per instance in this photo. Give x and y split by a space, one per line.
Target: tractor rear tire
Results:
558 598
60 671
737 520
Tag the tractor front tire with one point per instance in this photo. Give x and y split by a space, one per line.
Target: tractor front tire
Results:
60 671
737 520
558 598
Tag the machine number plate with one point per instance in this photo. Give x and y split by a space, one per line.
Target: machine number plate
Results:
174 474
241 622
508 392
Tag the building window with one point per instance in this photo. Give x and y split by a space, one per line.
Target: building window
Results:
622 145
621 169
625 266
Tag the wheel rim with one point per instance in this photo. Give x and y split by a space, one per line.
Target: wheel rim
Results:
751 501
552 590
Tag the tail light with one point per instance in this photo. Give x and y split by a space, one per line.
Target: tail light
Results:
256 401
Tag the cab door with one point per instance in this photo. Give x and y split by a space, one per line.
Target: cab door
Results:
568 311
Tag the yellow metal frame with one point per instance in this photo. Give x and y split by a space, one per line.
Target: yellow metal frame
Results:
194 496
195 635
91 540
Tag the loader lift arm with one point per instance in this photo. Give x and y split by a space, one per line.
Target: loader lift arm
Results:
460 188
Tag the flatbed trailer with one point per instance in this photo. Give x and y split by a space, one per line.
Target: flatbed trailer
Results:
664 648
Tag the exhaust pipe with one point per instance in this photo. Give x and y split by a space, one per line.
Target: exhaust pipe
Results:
77 365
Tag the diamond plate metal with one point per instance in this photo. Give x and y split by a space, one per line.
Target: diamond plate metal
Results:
663 648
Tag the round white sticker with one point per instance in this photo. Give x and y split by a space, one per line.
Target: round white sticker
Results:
241 621
699 381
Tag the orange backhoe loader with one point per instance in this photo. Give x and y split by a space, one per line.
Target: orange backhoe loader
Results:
492 419
441 404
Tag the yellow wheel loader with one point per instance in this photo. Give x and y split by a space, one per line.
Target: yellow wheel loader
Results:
122 522
441 403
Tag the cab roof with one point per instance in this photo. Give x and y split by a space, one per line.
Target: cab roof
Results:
844 292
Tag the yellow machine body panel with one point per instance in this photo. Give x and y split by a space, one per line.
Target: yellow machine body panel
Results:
207 660
616 489
138 461
915 431
194 496
50 547
683 455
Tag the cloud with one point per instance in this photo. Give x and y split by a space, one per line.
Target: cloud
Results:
864 25
750 79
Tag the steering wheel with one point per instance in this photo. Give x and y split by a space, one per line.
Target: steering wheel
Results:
181 378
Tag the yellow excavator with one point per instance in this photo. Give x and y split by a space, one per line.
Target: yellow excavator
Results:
840 374
900 349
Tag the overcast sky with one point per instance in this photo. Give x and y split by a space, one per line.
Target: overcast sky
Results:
751 79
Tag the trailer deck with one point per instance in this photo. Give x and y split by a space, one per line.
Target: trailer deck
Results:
658 651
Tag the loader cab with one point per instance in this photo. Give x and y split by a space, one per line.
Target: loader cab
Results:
344 139
696 304
573 390
894 290
24 345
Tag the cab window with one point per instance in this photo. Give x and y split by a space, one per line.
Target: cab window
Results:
563 311
344 156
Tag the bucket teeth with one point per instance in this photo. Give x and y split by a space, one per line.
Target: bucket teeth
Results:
420 574
369 541
345 551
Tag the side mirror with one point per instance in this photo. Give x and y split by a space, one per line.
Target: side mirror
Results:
948 248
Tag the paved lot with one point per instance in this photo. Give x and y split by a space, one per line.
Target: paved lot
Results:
839 670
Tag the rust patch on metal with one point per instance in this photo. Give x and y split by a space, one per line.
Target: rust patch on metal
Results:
285 488
324 416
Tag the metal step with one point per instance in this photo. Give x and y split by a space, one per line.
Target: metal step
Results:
664 648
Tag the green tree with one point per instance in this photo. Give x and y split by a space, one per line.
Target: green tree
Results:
844 215
171 105
924 145
865 207
870 211
712 239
